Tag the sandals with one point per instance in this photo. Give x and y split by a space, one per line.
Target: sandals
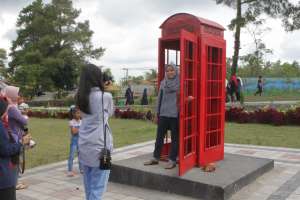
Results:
170 165
21 186
151 162
70 174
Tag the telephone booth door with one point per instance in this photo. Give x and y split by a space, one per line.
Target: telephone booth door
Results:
212 115
188 98
182 51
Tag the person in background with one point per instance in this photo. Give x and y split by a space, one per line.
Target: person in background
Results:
259 86
239 90
227 91
144 100
233 87
129 96
23 107
16 121
9 150
74 125
96 107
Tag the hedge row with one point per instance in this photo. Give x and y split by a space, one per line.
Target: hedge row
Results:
239 115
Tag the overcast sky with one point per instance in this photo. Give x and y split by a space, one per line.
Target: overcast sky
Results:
129 29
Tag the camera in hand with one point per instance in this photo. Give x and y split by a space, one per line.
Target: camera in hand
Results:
107 78
32 143
105 159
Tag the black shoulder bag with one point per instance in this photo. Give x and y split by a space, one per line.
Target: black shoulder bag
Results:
105 154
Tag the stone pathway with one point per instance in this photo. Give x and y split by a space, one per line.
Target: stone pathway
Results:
283 183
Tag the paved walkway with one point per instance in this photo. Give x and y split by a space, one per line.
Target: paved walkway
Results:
50 182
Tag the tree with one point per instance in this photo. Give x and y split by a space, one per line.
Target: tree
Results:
249 10
254 61
135 79
3 59
51 45
274 69
149 76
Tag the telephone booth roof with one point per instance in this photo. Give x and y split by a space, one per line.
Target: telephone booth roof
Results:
191 23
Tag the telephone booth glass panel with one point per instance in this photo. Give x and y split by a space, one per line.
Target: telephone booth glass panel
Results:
214 84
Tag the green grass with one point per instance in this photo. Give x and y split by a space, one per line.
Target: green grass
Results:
274 95
52 136
265 135
252 98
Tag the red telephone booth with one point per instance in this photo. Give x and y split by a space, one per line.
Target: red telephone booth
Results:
197 47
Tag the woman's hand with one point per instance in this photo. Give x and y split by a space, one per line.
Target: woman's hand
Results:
156 118
190 98
26 139
74 130
108 85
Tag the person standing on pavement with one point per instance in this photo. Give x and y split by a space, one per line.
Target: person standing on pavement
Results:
74 125
96 107
16 120
9 152
167 114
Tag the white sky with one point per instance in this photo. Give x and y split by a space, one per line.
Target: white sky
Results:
129 29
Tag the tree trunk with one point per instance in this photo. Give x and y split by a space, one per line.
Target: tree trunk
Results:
237 35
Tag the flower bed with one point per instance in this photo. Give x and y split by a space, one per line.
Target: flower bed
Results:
131 114
264 116
48 114
123 114
240 115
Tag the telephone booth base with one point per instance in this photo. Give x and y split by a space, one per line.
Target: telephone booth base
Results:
234 172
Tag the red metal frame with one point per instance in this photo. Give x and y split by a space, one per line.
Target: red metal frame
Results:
166 44
188 107
202 76
212 100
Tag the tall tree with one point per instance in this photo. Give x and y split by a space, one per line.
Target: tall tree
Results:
249 10
3 59
254 61
135 79
51 45
152 75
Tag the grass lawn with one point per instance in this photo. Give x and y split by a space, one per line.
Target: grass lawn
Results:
52 136
265 135
252 98
274 95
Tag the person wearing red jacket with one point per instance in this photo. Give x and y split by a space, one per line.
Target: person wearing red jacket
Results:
233 87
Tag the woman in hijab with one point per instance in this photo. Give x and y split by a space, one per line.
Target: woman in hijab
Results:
16 121
9 148
167 113
144 100
129 96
